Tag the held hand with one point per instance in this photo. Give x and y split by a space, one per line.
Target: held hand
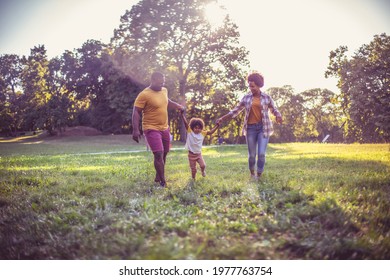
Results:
218 121
279 120
136 136
182 109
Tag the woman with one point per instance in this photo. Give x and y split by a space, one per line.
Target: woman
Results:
257 125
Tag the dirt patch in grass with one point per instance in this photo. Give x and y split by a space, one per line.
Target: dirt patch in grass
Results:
79 131
43 135
73 140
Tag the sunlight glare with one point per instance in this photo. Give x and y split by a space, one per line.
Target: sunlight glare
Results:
215 14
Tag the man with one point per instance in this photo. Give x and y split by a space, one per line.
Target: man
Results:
153 104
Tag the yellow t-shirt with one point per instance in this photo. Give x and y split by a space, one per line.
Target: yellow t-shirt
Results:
155 108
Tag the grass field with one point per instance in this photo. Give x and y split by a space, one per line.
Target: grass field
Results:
94 198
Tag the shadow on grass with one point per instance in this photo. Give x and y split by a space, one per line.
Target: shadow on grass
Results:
327 207
107 207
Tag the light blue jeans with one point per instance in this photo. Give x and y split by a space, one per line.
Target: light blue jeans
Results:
257 144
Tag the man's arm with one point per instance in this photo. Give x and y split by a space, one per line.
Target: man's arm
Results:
173 105
137 112
184 119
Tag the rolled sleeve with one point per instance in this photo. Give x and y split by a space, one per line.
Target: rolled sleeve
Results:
239 108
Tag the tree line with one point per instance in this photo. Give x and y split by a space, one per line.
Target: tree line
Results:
96 85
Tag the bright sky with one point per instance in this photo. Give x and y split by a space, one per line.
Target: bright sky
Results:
289 40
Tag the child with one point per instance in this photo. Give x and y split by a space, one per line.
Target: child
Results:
195 136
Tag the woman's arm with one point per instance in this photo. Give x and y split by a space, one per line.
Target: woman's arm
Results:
213 129
223 118
233 113
275 112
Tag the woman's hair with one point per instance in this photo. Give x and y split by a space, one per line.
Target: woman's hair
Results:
196 122
257 78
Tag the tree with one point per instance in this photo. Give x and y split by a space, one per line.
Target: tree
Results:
364 82
45 102
121 91
10 84
102 93
60 107
175 36
35 92
307 116
291 107
323 114
84 70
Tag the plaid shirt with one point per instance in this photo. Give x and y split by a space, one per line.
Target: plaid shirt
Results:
267 104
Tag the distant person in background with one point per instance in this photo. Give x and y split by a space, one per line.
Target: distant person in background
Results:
171 140
194 143
153 104
147 146
257 125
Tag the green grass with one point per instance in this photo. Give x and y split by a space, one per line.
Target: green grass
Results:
315 201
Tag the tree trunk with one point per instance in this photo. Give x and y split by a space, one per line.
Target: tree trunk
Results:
182 101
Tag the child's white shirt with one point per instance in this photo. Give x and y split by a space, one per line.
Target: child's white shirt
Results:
194 141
